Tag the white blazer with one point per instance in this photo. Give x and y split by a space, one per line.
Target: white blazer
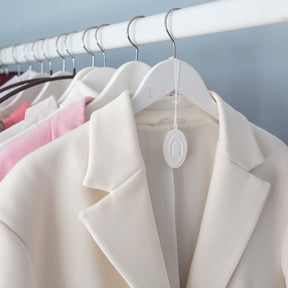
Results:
100 208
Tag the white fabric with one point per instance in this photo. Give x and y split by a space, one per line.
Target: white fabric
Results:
79 91
218 221
34 116
39 111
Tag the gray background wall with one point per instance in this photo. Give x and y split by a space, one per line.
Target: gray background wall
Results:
248 67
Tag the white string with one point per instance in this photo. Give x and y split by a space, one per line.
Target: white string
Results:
176 92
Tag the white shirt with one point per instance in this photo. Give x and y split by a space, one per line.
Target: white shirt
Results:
34 115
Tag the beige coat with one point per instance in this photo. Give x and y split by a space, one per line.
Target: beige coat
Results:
100 208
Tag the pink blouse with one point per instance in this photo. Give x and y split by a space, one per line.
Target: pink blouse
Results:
16 116
64 121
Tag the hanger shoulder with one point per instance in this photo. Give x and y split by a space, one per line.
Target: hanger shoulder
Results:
194 88
28 95
127 77
19 84
160 81
78 77
55 88
39 81
98 79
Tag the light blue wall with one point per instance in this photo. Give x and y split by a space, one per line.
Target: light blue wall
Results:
248 68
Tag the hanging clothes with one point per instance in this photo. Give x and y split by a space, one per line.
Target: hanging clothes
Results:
16 116
42 112
64 121
99 207
34 116
16 100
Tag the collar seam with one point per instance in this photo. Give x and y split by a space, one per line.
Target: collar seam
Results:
229 157
129 177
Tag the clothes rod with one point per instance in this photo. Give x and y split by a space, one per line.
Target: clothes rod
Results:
212 17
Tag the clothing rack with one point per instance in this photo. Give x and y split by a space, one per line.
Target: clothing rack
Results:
213 17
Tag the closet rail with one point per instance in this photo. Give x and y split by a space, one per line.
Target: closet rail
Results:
218 16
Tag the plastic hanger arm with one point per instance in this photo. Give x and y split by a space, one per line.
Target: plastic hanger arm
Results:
34 83
55 88
159 82
21 83
127 77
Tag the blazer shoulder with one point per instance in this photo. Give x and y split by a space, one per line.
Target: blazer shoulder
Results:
51 152
29 183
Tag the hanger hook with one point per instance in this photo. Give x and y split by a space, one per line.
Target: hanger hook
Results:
15 60
129 38
34 56
25 56
5 66
85 46
1 63
46 57
168 32
69 53
58 51
97 42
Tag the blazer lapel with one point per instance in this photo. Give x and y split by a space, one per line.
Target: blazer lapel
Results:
122 223
234 202
233 206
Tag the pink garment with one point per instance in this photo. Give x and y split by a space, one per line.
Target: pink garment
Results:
16 116
63 122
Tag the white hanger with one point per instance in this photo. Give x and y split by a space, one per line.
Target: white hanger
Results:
127 77
94 77
29 94
55 88
160 81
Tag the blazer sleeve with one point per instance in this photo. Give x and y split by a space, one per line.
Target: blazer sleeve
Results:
15 263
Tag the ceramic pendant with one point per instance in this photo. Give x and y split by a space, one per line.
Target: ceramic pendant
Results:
175 148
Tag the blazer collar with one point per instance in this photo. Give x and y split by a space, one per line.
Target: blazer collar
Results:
123 224
236 137
113 132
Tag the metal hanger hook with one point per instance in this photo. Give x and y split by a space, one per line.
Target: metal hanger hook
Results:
168 32
25 56
5 66
58 51
46 57
34 56
15 60
69 53
97 42
85 46
129 38
1 63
